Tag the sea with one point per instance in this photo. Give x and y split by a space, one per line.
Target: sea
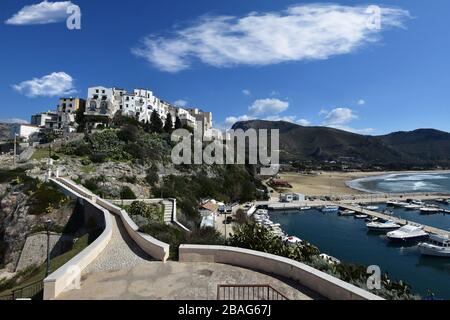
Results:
404 183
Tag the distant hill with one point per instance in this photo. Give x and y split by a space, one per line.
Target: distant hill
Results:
423 147
5 131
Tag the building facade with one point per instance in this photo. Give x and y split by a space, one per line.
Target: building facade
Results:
67 109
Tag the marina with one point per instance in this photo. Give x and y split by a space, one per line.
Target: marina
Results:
349 240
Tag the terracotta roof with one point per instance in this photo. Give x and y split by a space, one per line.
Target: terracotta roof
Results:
210 206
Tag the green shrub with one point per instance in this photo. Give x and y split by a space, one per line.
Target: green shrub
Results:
152 212
46 198
127 193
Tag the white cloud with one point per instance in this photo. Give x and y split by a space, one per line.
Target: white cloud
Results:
232 120
339 116
246 92
181 103
55 84
303 122
268 106
361 102
41 13
353 130
14 120
300 33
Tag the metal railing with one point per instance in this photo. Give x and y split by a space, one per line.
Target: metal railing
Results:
248 293
33 291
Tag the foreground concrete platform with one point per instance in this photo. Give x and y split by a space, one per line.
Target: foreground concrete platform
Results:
176 281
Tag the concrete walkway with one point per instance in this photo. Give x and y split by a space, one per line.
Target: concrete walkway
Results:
120 253
175 281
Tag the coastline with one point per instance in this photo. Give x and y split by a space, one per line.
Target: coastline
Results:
340 183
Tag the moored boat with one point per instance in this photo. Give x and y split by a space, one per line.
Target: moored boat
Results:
383 226
330 259
345 213
408 233
361 216
328 209
436 246
429 210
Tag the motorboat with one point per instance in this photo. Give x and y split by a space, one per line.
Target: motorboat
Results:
429 210
262 211
361 216
413 207
372 208
392 203
383 226
292 241
418 202
305 208
330 209
388 212
345 213
330 259
436 246
408 233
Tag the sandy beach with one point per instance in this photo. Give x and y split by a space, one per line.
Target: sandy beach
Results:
331 183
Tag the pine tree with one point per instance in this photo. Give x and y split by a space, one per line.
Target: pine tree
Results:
168 125
178 124
156 124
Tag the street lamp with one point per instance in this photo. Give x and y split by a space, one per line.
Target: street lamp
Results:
48 223
15 149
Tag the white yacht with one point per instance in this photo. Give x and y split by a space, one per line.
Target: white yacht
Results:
437 246
383 226
330 259
408 232
372 208
429 210
361 216
330 209
413 207
291 241
305 208
392 203
345 213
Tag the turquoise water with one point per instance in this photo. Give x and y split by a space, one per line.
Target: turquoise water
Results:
404 183
348 239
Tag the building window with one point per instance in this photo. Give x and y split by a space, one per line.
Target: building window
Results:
104 107
97 91
93 106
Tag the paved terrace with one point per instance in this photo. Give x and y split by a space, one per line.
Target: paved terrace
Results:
175 281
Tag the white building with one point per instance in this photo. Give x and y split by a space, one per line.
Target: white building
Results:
140 104
67 109
292 197
47 120
25 131
103 101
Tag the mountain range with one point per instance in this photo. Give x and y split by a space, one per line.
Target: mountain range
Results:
422 147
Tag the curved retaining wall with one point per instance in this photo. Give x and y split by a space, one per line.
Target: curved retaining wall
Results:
153 247
315 280
67 276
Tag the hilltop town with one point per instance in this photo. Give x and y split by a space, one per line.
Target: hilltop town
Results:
102 105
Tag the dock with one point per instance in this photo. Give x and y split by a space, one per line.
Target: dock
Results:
399 221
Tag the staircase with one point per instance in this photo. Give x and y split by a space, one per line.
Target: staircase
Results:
168 208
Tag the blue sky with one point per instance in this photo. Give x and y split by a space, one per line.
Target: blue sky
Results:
307 62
